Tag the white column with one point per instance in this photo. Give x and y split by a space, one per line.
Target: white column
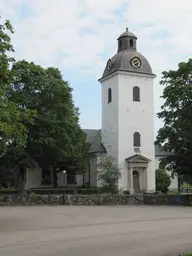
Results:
150 177
145 175
131 180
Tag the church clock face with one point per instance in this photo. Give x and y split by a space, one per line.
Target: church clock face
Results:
109 65
136 62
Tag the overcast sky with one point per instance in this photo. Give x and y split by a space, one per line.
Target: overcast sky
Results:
79 36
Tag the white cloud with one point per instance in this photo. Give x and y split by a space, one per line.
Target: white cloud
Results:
55 29
53 33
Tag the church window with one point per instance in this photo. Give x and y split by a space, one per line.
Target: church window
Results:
136 139
136 93
109 95
46 176
131 43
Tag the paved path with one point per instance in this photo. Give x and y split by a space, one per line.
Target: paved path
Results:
95 231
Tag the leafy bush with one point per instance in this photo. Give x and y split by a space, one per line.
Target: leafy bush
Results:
108 173
163 180
6 191
68 191
108 190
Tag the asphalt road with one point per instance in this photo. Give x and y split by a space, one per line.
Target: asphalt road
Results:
95 231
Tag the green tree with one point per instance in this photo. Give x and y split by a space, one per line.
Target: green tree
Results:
39 124
12 129
7 178
108 172
163 180
184 181
55 140
13 118
176 112
15 163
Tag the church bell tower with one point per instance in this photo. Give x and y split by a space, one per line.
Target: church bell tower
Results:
128 115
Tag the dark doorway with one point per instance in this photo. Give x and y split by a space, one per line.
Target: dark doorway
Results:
136 184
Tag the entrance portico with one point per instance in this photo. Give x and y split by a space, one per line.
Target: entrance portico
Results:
137 173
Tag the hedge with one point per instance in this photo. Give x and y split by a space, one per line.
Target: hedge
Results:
66 191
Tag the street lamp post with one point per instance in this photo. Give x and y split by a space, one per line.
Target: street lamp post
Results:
64 172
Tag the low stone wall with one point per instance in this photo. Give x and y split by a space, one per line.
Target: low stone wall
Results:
155 199
103 200
150 199
71 200
31 200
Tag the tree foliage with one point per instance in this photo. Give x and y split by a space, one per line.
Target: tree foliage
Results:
108 172
54 138
176 112
12 129
163 180
45 120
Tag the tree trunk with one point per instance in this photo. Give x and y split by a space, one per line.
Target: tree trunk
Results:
22 179
54 178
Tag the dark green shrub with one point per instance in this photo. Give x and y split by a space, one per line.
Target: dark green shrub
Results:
163 180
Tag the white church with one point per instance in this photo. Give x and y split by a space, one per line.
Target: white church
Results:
127 132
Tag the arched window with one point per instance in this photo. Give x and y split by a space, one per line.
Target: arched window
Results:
136 139
131 43
136 93
109 95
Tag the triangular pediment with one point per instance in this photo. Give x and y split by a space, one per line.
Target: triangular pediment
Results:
137 159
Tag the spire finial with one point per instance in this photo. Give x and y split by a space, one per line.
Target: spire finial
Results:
126 24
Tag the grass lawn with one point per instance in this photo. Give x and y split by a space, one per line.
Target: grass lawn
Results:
174 193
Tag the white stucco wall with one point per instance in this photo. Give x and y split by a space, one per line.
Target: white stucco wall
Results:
110 116
93 169
34 178
134 117
123 117
174 181
79 179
